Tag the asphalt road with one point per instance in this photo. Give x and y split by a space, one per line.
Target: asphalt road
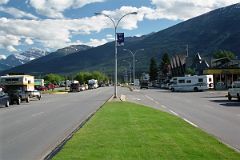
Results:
210 110
30 131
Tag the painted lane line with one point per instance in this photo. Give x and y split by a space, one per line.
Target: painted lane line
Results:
190 122
37 114
163 106
149 97
156 102
173 112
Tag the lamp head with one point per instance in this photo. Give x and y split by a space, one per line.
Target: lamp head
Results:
97 13
134 13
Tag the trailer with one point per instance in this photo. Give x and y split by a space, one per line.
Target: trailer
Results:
191 83
18 87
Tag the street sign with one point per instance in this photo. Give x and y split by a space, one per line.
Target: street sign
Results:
120 39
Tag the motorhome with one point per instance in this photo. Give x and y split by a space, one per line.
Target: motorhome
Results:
191 83
19 87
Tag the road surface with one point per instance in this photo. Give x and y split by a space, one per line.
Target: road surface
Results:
29 131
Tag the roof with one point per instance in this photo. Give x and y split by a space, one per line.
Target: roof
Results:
15 76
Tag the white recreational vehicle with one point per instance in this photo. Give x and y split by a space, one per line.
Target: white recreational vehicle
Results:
191 83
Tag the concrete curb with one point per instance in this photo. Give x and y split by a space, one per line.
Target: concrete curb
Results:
59 146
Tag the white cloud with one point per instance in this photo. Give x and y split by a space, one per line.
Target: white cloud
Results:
11 49
4 1
9 41
57 33
17 13
29 41
51 33
2 57
96 42
110 37
184 9
55 8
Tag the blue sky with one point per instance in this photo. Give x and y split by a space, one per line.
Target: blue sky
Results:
54 24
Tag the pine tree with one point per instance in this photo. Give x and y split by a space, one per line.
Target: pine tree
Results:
153 69
165 63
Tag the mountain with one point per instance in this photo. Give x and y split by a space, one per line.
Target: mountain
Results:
22 58
218 29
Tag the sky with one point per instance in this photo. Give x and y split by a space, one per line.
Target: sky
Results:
54 24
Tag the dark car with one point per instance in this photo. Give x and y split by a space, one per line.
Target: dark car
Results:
4 99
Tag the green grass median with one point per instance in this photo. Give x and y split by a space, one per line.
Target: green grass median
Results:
127 131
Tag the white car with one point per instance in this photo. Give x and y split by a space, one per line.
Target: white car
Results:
234 92
36 94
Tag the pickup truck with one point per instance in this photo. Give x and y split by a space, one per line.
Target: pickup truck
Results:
234 92
18 96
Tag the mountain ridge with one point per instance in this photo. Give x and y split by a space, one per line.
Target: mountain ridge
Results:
207 33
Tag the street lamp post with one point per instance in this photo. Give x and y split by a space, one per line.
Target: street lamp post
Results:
133 55
130 68
115 24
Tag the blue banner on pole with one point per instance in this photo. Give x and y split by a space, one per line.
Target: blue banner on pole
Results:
120 39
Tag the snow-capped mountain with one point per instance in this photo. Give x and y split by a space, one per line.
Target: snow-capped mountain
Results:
72 49
22 58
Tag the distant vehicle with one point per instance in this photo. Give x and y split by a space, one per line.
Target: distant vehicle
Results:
75 87
82 88
92 84
50 86
86 86
4 99
191 83
36 94
144 81
234 92
38 82
41 88
18 87
220 86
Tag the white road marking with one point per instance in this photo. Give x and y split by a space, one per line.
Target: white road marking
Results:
37 114
163 106
156 102
149 97
173 112
190 122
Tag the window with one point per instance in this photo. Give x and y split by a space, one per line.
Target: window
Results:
181 81
189 81
200 79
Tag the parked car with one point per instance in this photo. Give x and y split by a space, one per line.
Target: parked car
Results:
51 86
82 88
220 86
4 99
41 88
234 92
36 94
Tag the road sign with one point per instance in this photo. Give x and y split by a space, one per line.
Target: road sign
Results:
120 39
